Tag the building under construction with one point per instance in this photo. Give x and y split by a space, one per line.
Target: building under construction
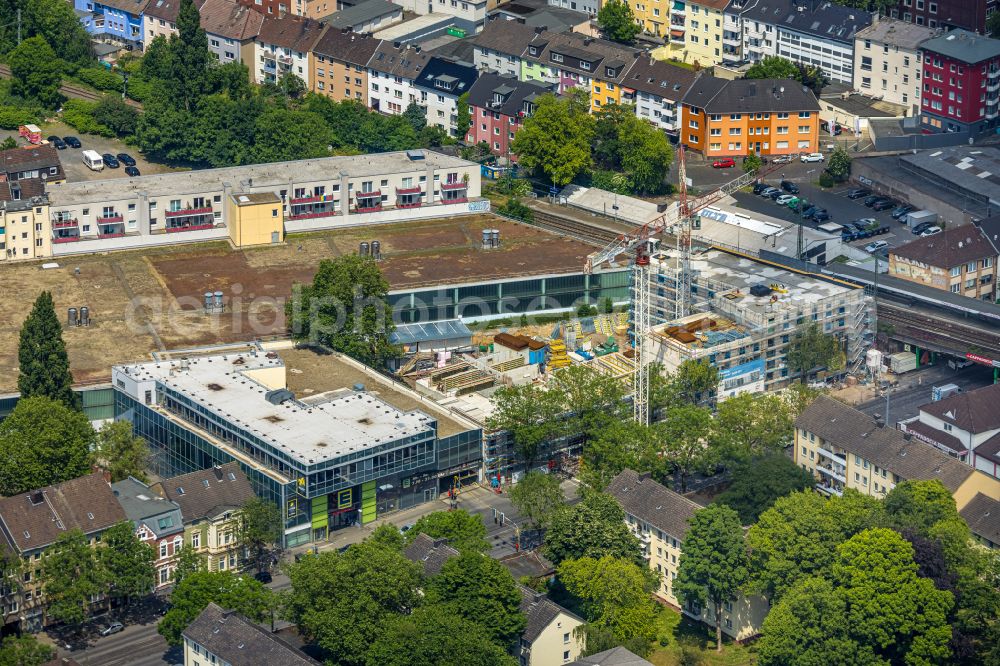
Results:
744 312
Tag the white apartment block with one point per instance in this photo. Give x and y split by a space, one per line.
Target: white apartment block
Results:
887 61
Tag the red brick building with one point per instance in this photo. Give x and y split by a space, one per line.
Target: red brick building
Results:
961 83
947 14
498 104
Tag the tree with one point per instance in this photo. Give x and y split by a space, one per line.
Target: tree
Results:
752 424
532 415
115 114
811 349
481 590
920 505
536 496
758 482
120 452
258 528
8 144
463 120
436 635
42 442
344 601
593 399
282 135
242 594
615 448
714 564
36 72
618 22
71 575
993 25
24 651
388 535
629 151
345 308
615 595
127 561
556 138
839 164
773 67
416 116
291 86
681 443
751 163
594 527
52 20
465 531
902 616
189 56
189 561
41 354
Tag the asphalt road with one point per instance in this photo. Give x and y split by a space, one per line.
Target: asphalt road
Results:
137 645
914 389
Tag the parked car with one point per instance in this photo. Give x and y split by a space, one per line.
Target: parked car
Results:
793 202
126 159
930 231
789 187
857 193
110 161
959 363
811 157
132 171
773 196
885 204
809 210
112 628
724 163
821 215
760 187
766 192
782 159
921 228
899 211
871 199
875 246
57 142
786 199
72 141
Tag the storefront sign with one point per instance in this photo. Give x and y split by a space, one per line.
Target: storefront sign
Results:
983 360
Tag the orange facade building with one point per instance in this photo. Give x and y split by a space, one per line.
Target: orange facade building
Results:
735 118
338 64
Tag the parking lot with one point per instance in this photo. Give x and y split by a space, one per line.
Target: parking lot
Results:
72 161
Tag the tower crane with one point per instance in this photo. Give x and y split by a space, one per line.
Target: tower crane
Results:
679 219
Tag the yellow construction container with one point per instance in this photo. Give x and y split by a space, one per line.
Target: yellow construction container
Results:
557 354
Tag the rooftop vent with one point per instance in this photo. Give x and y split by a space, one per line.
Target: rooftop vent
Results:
36 498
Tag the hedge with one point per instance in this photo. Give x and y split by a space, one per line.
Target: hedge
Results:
12 117
79 114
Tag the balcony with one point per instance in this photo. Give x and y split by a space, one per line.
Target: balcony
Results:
306 200
284 59
994 74
676 36
827 453
454 185
993 85
832 472
110 219
312 214
409 190
731 39
190 227
180 212
830 489
65 224
66 239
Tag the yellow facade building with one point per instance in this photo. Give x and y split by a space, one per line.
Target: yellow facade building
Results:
702 34
25 227
255 218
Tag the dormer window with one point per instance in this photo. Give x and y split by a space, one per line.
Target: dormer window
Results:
556 57
533 50
585 65
611 72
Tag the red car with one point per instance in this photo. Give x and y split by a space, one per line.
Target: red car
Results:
724 163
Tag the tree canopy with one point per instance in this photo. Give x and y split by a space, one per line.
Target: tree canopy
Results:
71 576
119 451
41 354
258 528
243 594
614 594
24 651
618 22
36 72
465 531
536 496
556 138
52 20
758 482
810 349
531 415
128 562
629 146
594 527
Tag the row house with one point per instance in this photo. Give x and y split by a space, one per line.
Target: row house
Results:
499 105
887 61
31 522
589 7
283 46
945 14
221 636
819 34
392 74
961 83
278 8
659 88
960 260
660 518
38 163
500 46
439 86
117 20
982 515
157 521
339 65
160 19
762 116
232 30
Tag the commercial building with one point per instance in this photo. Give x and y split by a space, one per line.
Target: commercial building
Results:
660 518
743 315
231 29
282 46
961 83
945 14
736 118
116 20
287 196
25 225
31 522
157 521
499 103
960 259
208 501
819 34
845 448
333 459
226 637
366 17
339 65
888 61
965 426
440 84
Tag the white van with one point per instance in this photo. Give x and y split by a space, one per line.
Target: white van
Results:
93 160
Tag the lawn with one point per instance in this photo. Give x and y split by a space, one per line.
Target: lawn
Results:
689 643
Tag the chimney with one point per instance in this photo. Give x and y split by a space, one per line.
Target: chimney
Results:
539 29
218 473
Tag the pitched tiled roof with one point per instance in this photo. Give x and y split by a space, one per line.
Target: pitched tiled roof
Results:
291 32
750 96
931 434
26 159
952 247
576 49
430 553
36 519
236 640
404 61
891 449
507 37
990 449
821 19
964 46
207 492
347 46
144 507
618 656
659 78
982 513
134 7
231 20
163 9
481 93
436 68
652 502
527 563
974 411
32 187
540 612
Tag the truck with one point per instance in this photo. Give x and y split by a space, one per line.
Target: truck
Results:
918 217
902 362
93 160
943 391
31 134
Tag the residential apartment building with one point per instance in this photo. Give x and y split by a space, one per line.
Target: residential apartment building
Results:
960 259
430 553
209 500
965 426
845 448
283 46
946 14
819 34
659 88
500 46
652 15
25 222
982 515
550 636
961 83
618 656
157 522
278 8
762 116
659 518
116 20
160 19
392 74
471 11
499 104
339 65
590 7
218 636
439 85
887 61
231 29
32 522
31 163
696 31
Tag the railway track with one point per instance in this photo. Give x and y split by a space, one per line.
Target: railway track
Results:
925 327
576 229
75 91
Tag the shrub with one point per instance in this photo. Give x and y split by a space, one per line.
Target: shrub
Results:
826 180
112 112
79 114
514 208
100 78
11 117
